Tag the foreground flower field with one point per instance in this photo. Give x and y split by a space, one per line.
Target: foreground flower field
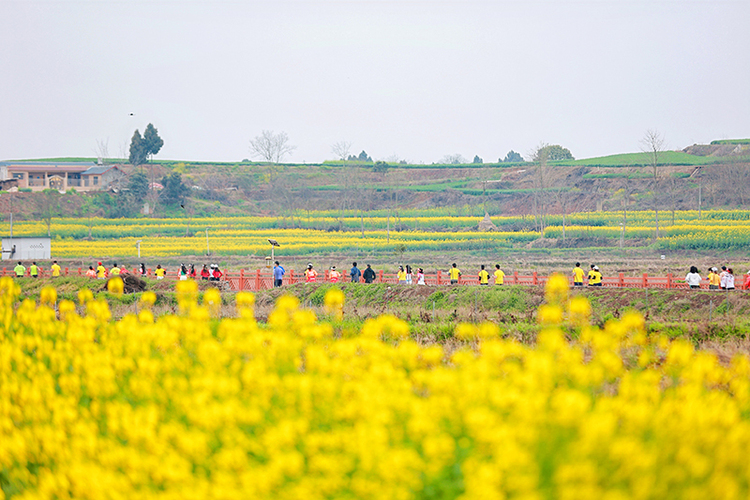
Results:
186 406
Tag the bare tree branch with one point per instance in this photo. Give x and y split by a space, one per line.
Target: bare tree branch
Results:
342 149
271 147
653 144
102 149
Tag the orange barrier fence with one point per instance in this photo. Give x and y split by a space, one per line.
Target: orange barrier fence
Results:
263 280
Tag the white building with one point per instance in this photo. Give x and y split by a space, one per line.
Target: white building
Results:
26 249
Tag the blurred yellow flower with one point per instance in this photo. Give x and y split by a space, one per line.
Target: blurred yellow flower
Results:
115 285
333 303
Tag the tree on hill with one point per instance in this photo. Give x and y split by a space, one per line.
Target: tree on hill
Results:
341 149
454 159
380 167
552 152
540 156
144 147
364 157
271 147
47 207
151 141
137 187
512 157
653 144
174 190
138 152
477 159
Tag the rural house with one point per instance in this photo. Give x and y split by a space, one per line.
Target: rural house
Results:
83 176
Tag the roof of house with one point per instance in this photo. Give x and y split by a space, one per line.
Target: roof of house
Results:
46 167
26 164
99 169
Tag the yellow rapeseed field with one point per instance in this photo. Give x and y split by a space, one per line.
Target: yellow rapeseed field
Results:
187 406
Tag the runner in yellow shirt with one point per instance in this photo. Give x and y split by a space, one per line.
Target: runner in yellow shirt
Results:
455 274
101 272
484 277
595 277
401 275
499 275
714 279
160 272
578 275
55 269
115 271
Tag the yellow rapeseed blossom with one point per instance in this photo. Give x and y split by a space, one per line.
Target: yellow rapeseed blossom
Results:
184 406
245 303
187 294
334 303
84 296
556 289
48 296
212 300
148 299
115 285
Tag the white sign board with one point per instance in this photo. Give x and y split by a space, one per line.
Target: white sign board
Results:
26 249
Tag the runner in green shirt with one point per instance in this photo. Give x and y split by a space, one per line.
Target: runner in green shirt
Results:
34 270
20 270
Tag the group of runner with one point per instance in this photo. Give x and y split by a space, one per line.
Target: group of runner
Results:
407 275
717 280
35 270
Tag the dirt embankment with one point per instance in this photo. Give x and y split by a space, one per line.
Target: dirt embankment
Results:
717 150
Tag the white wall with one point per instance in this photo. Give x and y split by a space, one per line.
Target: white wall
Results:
26 249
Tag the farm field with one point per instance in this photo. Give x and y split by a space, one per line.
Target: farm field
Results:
302 405
414 232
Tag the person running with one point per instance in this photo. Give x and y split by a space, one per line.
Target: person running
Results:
143 270
595 277
484 276
714 280
192 273
499 275
369 274
101 272
183 272
34 270
455 274
409 276
160 272
311 275
723 278
334 275
278 274
401 275
115 271
355 273
693 279
747 281
205 273
216 274
20 270
729 280
578 275
91 273
420 276
55 269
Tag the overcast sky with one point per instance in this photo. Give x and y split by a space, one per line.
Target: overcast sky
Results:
412 79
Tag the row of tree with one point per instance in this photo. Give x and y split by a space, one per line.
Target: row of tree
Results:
273 147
